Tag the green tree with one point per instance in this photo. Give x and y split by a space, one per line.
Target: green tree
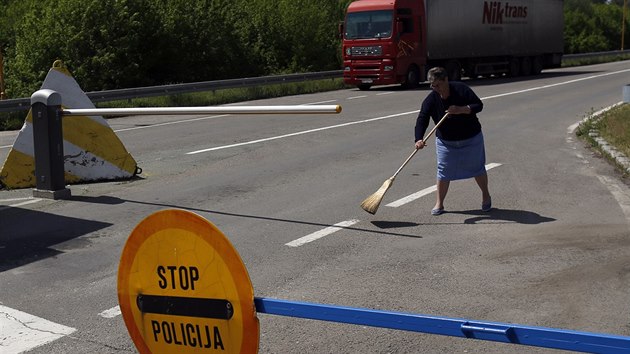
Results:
106 44
592 26
200 40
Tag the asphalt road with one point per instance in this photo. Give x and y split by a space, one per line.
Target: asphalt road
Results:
554 251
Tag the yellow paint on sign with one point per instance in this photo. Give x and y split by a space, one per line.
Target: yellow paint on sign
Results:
176 254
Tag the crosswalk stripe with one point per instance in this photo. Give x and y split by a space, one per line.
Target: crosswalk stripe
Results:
22 332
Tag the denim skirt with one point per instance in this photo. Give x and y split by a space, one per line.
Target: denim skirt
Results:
460 159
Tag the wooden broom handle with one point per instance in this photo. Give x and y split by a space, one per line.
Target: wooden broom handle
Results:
416 150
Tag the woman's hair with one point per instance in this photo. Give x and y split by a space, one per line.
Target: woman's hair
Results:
437 73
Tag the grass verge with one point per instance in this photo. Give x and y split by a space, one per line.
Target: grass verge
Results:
612 126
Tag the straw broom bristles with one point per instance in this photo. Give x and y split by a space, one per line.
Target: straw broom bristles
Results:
371 203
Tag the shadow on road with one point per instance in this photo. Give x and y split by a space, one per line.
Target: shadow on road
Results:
24 240
507 215
29 235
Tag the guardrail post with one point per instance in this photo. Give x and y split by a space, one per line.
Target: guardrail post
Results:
626 93
48 145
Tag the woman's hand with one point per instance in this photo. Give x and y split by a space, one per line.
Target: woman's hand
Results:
459 110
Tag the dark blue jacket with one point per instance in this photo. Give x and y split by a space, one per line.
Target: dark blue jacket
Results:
456 126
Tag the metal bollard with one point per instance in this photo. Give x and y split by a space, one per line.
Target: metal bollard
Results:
626 94
48 145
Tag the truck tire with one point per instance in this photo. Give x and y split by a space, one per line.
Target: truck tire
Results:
364 87
515 67
537 65
412 79
454 71
526 66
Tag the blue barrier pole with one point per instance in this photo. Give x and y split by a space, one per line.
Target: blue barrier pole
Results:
497 332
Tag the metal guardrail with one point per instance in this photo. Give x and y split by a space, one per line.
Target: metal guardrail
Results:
595 54
22 104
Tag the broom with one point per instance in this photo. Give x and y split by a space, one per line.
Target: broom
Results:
371 203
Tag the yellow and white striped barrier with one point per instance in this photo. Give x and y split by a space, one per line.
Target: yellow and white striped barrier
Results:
92 151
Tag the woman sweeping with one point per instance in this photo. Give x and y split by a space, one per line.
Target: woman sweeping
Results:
459 141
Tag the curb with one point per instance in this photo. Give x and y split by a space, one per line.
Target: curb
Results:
620 158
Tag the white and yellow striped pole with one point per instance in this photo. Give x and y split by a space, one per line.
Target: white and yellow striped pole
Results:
92 151
302 109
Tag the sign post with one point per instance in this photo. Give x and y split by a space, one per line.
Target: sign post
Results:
182 287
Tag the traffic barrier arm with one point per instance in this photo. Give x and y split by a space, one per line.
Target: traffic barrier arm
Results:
490 331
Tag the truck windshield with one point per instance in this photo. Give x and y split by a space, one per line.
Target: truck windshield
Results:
369 24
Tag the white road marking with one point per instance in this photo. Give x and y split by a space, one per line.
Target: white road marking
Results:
111 313
384 93
299 133
410 198
171 123
321 102
394 115
26 202
322 233
428 190
554 85
355 97
22 332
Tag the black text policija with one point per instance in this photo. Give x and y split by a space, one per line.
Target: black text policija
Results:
184 334
187 334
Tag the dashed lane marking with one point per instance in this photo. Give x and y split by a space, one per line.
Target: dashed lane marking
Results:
22 332
344 224
428 190
111 313
321 233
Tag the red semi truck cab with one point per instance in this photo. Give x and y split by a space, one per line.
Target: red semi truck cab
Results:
383 43
397 41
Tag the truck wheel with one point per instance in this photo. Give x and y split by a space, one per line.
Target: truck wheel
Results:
515 67
537 65
454 71
526 66
364 87
412 79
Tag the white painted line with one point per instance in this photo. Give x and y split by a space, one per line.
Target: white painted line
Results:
111 313
492 165
171 123
30 201
15 199
386 117
553 85
410 198
306 104
319 234
355 97
384 93
300 133
22 332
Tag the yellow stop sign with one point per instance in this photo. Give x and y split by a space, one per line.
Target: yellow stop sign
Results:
183 288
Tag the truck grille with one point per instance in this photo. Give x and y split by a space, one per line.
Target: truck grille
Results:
366 51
